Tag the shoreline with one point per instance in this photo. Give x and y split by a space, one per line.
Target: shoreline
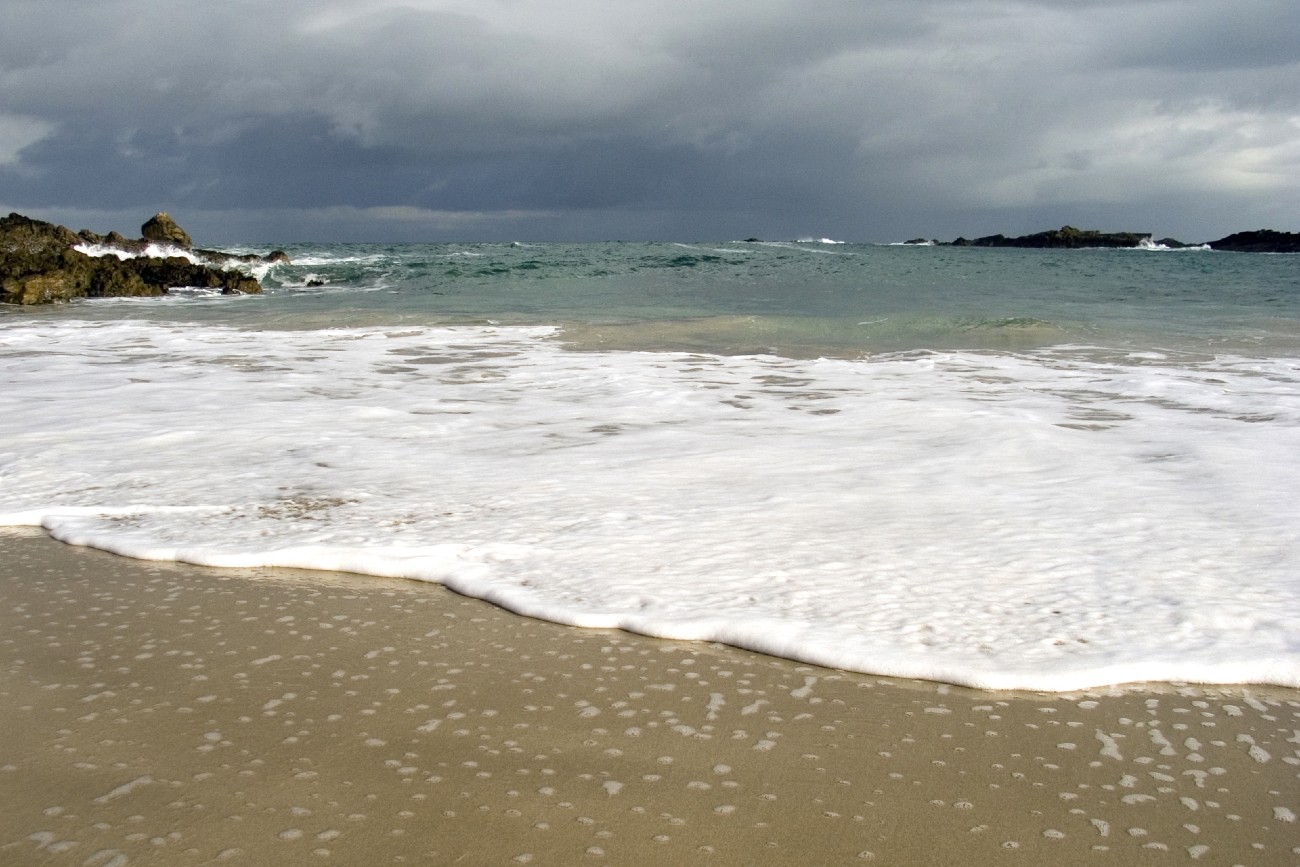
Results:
159 713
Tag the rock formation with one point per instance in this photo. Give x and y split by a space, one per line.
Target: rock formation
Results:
162 228
1066 237
39 264
1259 241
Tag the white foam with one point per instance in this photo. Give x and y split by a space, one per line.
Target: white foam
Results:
152 250
741 251
323 259
1050 520
258 270
1148 244
807 246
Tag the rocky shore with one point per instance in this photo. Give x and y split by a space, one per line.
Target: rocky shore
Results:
43 263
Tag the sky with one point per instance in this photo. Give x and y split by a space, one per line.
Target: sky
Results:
584 120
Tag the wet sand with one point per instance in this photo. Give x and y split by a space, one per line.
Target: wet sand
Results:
164 714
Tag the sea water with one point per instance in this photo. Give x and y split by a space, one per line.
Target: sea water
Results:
1002 468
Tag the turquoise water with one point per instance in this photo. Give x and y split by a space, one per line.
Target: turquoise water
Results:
790 298
843 298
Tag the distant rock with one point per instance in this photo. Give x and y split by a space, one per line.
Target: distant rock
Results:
39 264
1066 237
1259 241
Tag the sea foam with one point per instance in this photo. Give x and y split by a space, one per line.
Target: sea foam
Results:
1052 520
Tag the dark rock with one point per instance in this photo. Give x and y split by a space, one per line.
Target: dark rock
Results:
163 229
114 239
1064 238
1259 241
31 244
1068 237
39 264
178 271
108 281
216 257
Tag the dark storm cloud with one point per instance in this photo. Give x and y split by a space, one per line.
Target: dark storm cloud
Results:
711 118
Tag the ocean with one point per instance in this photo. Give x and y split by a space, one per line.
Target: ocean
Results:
1009 469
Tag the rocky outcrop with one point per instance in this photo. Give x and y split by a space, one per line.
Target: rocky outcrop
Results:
1259 241
1068 237
162 228
1064 238
39 264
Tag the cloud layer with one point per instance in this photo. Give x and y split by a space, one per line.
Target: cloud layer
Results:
590 119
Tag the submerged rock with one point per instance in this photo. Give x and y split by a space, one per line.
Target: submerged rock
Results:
39 264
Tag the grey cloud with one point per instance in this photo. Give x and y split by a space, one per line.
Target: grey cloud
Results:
574 118
1211 37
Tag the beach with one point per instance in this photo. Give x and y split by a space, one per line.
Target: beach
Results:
157 713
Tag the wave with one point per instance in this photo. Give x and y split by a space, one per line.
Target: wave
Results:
807 247
256 269
320 260
1148 244
1051 519
152 250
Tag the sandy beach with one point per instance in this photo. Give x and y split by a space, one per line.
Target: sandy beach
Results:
163 714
